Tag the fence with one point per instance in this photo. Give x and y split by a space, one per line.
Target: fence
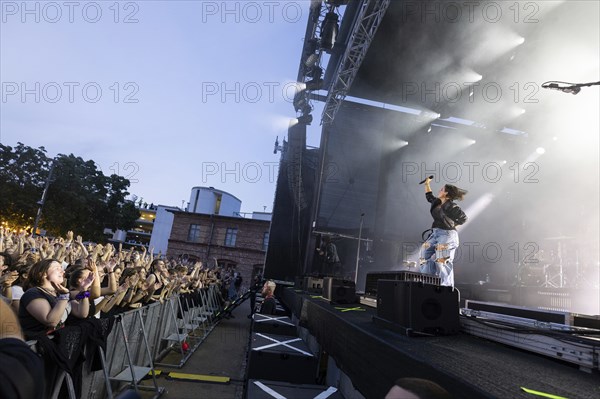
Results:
138 340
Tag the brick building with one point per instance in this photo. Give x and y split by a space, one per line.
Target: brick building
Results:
233 241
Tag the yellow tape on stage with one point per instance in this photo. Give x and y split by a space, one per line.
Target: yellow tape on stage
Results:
357 309
199 378
542 394
156 373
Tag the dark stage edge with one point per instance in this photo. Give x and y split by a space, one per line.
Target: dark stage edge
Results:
466 366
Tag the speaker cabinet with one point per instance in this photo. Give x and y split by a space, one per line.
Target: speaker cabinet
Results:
275 389
339 291
281 358
417 307
277 325
313 284
402 275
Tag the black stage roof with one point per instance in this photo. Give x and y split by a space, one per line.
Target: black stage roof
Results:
425 51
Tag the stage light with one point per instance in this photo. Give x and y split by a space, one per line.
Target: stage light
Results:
311 60
316 83
316 72
310 55
300 100
520 41
540 150
402 143
555 138
313 85
329 31
305 119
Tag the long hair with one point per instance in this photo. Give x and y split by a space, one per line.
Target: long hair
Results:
130 271
75 275
8 260
23 269
454 193
152 268
35 277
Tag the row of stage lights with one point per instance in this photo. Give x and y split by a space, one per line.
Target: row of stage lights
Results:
312 71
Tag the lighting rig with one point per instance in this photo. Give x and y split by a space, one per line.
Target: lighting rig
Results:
321 34
346 41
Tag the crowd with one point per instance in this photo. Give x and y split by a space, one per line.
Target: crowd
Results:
48 285
50 282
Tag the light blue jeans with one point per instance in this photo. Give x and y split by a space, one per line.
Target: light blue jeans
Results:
437 255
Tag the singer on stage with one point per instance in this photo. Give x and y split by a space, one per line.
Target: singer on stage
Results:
437 253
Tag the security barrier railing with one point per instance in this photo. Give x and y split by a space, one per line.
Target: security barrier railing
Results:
138 341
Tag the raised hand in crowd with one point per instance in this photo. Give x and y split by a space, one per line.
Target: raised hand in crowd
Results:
82 250
6 281
69 238
46 249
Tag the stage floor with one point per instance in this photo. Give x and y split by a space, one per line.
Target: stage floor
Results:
467 366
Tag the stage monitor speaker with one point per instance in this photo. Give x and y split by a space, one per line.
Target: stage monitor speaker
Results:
402 275
339 291
418 308
313 284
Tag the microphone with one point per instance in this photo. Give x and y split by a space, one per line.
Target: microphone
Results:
568 89
423 181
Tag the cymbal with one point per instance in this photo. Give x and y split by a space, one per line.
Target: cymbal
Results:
559 238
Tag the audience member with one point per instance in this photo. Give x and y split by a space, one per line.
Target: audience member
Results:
44 304
417 388
268 305
21 370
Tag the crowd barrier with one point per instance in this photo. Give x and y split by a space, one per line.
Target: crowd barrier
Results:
122 350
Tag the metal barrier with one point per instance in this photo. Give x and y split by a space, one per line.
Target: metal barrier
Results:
141 338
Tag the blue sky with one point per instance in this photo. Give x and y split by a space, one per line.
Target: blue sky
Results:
188 93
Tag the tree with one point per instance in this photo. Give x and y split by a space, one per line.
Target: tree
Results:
80 197
23 173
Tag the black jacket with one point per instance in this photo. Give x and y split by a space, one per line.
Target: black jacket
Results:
446 217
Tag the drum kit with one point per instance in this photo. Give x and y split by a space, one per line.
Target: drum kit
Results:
550 268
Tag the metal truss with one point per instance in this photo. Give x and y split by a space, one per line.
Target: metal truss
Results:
368 19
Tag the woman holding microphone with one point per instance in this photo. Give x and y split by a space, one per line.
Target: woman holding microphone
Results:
437 252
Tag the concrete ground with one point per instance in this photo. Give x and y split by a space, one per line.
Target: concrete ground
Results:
223 354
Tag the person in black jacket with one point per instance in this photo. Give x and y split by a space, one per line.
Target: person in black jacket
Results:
268 305
21 370
331 261
437 252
